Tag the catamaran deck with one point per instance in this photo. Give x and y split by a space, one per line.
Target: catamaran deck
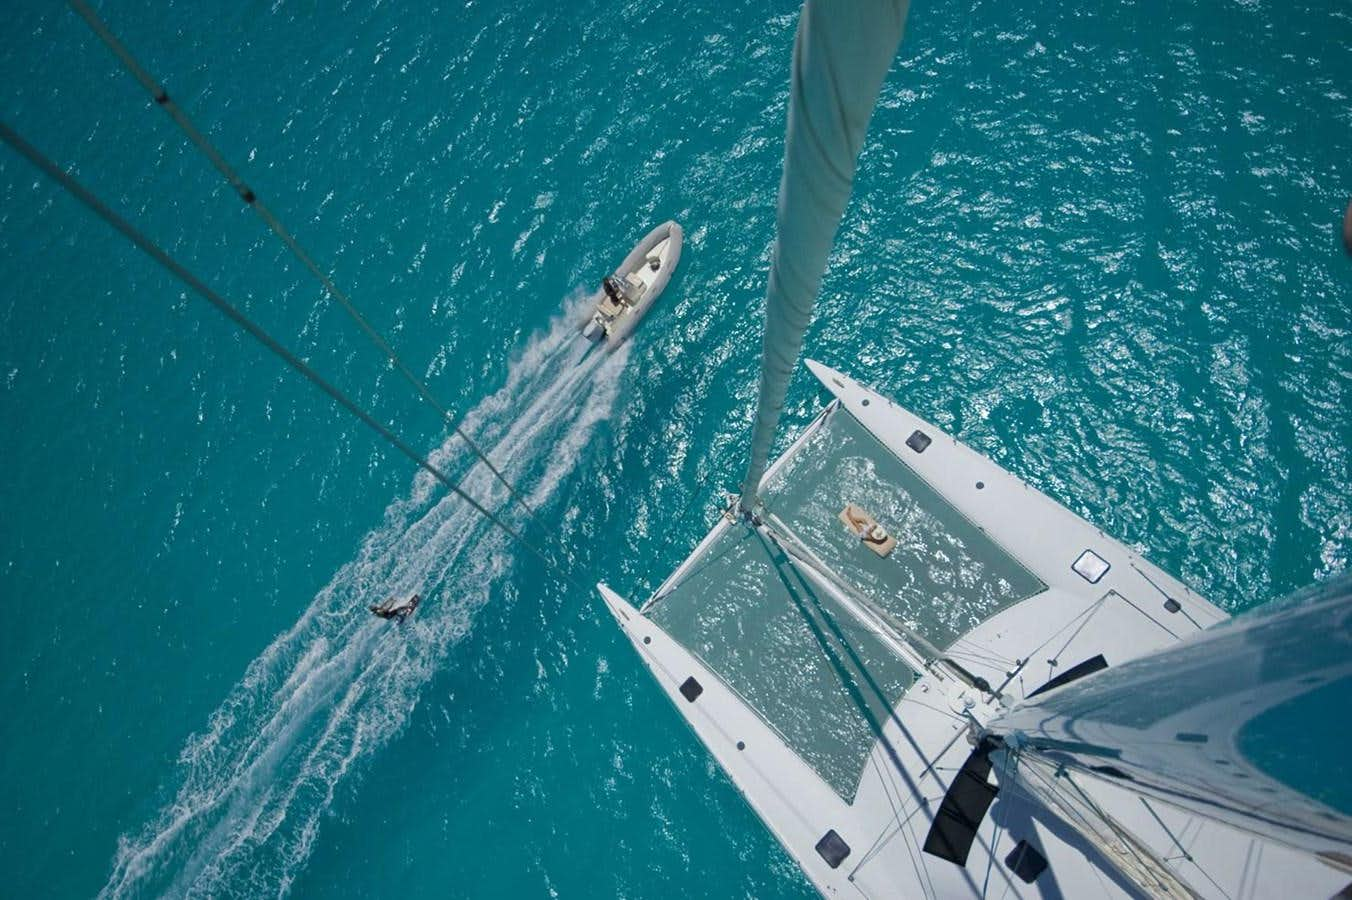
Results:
846 749
743 608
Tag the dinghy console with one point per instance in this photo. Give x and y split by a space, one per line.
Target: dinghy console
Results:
627 293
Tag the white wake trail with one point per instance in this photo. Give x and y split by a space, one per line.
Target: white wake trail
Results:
252 787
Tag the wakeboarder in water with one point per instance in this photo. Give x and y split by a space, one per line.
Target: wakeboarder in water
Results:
396 608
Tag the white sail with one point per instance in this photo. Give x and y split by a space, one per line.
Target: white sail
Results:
841 54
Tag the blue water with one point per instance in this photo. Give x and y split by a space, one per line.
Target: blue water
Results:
1099 244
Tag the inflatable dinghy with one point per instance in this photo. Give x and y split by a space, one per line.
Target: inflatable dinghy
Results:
628 293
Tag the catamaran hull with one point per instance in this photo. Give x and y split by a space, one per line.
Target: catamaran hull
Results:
911 811
605 323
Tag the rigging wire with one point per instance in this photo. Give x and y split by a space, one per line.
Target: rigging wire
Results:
1135 860
234 314
246 193
1011 761
926 652
912 646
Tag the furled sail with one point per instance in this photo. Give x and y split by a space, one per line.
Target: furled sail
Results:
841 54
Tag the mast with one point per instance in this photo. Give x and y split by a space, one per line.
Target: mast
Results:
1174 725
841 55
1169 726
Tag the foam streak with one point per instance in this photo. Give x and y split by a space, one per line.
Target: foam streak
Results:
332 690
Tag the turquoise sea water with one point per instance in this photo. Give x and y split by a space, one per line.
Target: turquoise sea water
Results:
1099 244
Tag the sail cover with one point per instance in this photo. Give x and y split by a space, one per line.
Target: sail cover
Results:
841 54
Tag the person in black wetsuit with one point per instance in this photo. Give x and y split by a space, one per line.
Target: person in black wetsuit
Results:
387 610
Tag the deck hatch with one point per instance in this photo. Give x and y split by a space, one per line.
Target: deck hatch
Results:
691 689
833 849
1091 567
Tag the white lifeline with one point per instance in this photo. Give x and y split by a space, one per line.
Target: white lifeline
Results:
925 741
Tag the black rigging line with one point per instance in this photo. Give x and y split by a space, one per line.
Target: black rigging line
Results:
233 313
246 193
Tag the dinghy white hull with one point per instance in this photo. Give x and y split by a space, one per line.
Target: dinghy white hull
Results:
638 281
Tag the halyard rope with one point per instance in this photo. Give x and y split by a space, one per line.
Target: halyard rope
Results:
246 193
234 314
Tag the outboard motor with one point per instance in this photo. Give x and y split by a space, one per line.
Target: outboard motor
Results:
594 331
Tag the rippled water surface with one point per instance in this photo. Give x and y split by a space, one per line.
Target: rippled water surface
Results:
1099 244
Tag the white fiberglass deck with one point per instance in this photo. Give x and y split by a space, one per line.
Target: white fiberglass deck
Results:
826 731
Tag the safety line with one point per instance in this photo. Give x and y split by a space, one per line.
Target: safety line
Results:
143 243
246 194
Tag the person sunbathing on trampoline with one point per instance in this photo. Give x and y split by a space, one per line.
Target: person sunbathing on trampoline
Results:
865 527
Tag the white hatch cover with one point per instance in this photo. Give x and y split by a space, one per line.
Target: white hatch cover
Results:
1091 567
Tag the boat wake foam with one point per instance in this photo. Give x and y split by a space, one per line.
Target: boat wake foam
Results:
329 693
